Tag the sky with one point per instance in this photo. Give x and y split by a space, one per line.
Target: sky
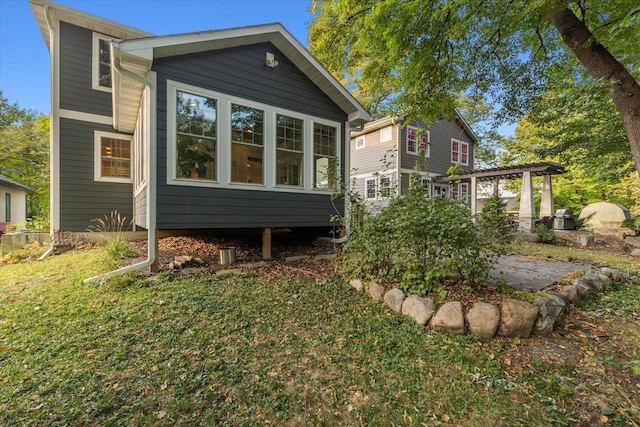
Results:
24 57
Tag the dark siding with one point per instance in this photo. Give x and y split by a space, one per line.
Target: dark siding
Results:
440 149
76 91
141 208
81 198
241 72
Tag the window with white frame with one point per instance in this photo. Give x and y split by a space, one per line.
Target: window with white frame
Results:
460 191
196 136
385 134
370 188
101 62
384 185
247 143
289 150
325 155
426 185
360 142
112 157
459 152
417 141
247 140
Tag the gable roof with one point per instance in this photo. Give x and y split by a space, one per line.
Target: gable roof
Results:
399 120
134 51
11 183
48 13
133 60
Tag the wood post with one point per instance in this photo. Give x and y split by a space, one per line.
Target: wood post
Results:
155 266
266 243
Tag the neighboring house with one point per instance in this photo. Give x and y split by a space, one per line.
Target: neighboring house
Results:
234 128
13 202
386 151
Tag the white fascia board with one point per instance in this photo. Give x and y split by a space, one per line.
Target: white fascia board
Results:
180 44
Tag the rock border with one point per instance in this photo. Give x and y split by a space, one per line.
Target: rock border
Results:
512 319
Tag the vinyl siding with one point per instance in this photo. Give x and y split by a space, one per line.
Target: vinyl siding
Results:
76 92
81 198
140 202
440 150
241 72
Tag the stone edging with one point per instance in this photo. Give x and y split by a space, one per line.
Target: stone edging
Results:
514 318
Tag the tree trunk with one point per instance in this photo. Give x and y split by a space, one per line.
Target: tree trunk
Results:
623 89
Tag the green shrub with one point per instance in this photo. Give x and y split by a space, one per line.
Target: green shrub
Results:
423 242
546 235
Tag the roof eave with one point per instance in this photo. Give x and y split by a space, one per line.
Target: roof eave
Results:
180 44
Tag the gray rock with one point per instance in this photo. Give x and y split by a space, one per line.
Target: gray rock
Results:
483 319
633 241
585 240
604 279
356 284
517 318
550 308
612 273
583 290
570 294
374 290
635 252
421 309
394 299
449 318
590 280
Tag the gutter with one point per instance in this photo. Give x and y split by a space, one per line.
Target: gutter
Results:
47 17
151 182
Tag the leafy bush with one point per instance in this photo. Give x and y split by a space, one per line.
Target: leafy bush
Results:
422 241
495 225
546 235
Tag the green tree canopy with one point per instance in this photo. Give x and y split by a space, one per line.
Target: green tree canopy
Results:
24 152
418 56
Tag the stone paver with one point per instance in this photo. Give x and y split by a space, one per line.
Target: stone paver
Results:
534 274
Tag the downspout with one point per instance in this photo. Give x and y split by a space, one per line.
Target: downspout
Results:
51 52
151 184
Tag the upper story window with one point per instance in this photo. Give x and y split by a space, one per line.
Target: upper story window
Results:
289 150
385 134
196 136
101 62
112 157
360 142
247 138
417 141
325 155
459 152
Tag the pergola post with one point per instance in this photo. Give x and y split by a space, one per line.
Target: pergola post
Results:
546 204
474 195
527 215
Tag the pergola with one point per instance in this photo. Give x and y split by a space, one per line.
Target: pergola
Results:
527 213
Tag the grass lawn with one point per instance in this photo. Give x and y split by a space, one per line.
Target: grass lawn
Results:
276 349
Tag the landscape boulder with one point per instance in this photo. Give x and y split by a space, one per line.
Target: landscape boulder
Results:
585 240
449 318
517 318
394 299
420 309
611 273
550 309
374 290
483 319
356 284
